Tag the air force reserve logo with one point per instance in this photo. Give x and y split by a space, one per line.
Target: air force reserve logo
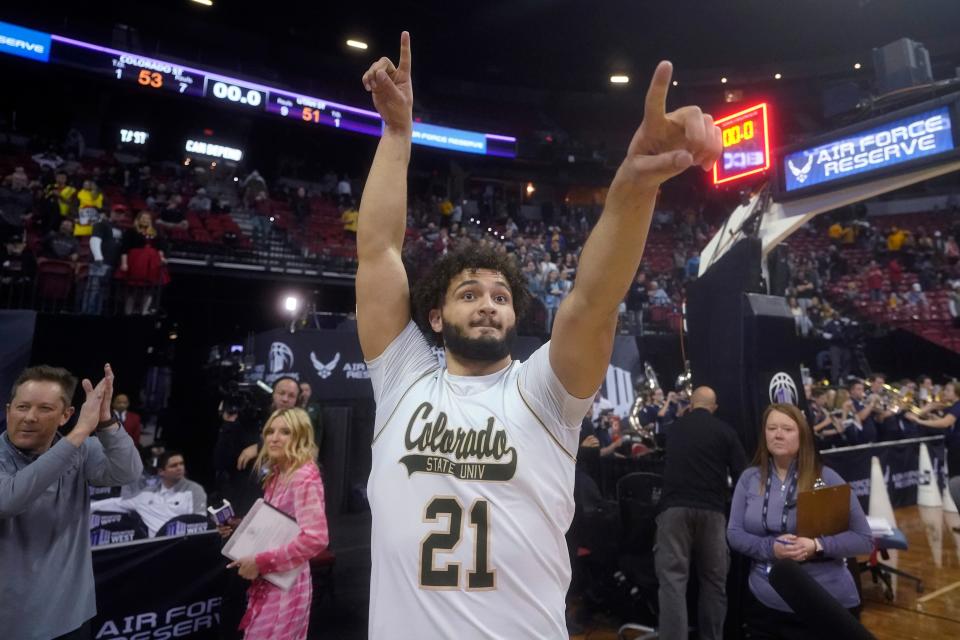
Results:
801 173
324 370
783 390
281 357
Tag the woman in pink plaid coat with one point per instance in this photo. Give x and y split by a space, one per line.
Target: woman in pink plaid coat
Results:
292 485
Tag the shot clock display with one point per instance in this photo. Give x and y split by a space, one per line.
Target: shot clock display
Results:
153 74
236 93
746 144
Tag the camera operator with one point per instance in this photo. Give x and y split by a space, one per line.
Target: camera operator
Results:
286 394
240 487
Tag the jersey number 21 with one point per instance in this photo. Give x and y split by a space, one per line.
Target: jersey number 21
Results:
448 576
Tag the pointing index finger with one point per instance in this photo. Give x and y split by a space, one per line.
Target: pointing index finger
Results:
656 102
404 65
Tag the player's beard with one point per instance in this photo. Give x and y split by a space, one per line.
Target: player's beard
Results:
482 349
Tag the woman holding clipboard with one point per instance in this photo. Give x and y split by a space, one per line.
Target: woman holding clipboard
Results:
292 485
763 524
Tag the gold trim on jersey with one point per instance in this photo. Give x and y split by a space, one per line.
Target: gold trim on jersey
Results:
399 402
542 423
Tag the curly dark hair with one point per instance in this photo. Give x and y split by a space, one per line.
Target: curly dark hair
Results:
430 289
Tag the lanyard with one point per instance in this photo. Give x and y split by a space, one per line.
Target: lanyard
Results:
788 501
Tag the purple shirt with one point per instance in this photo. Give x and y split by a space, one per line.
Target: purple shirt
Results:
746 534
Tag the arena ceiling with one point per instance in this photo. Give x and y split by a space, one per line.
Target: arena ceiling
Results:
564 45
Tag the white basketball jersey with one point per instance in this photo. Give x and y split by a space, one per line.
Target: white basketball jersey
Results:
471 491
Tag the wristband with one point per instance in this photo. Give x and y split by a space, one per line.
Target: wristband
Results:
114 419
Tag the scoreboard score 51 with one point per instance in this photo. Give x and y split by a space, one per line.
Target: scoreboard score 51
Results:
746 144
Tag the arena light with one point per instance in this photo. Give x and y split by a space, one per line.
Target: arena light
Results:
530 188
357 44
856 65
777 76
675 83
619 79
206 3
291 304
723 81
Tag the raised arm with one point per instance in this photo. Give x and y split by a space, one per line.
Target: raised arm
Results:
665 145
383 293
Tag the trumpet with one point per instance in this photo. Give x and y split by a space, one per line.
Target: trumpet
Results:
897 401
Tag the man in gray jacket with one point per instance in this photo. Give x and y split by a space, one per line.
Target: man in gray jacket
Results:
47 589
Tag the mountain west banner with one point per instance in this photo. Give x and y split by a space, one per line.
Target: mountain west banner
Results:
159 589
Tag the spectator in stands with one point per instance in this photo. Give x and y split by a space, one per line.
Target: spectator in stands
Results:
662 219
702 452
800 318
915 296
89 206
200 202
129 419
142 264
344 191
173 216
554 292
875 282
300 205
173 496
836 233
293 485
763 525
895 271
18 265
350 218
951 251
105 247
60 245
804 289
953 305
16 203
534 281
657 296
895 239
693 265
894 301
66 195
253 186
45 479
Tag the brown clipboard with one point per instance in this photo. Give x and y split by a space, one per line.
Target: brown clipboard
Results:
823 512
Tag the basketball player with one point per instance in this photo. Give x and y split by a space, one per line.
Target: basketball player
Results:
471 486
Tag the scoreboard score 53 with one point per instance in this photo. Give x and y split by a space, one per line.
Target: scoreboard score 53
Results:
746 144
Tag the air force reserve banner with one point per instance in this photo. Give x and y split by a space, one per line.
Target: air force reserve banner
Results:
898 142
159 589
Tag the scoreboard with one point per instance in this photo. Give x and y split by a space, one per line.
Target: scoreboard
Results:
746 144
152 74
